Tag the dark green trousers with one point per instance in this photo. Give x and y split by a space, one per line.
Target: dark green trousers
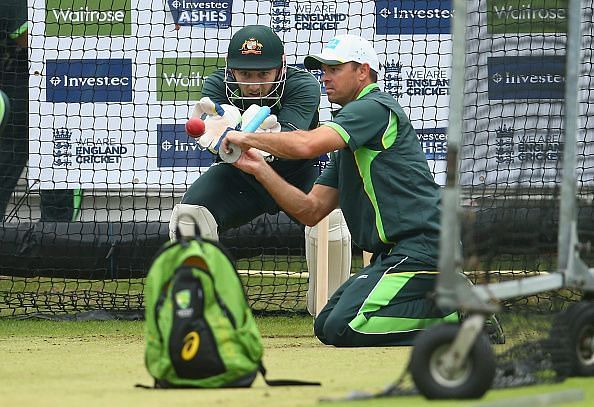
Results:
234 198
385 304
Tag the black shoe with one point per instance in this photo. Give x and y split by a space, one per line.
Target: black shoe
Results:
492 328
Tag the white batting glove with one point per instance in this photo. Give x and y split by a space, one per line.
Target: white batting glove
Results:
215 125
269 125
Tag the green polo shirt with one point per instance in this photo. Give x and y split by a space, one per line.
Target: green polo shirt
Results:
387 193
298 108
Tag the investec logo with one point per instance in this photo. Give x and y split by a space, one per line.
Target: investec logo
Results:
201 13
434 143
182 78
87 18
526 77
88 80
526 16
75 82
176 149
413 17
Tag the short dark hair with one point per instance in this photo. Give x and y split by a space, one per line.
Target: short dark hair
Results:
372 73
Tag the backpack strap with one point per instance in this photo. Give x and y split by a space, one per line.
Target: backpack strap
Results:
261 369
285 382
144 386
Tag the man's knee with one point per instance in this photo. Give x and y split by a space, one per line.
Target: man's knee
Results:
332 329
319 328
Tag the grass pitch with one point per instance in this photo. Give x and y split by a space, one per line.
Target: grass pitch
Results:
98 363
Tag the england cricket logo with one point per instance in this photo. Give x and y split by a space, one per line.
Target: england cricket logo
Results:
62 147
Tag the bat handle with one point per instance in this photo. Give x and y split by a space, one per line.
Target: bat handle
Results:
235 152
231 156
259 117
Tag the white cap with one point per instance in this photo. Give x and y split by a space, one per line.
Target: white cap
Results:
342 49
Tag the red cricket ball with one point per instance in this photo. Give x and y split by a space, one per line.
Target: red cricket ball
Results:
195 127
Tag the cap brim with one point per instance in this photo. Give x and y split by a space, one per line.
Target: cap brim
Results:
253 65
316 61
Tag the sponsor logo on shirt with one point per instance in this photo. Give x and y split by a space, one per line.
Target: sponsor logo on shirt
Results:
526 77
88 80
413 17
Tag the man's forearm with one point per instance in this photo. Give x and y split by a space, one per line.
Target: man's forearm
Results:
296 144
283 145
291 199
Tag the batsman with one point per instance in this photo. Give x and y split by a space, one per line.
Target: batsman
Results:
256 74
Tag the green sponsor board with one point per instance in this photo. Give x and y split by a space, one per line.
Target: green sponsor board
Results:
182 78
526 16
87 18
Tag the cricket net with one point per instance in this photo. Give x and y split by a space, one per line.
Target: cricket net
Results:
108 161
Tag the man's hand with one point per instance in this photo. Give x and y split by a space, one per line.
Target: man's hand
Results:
215 123
236 137
251 162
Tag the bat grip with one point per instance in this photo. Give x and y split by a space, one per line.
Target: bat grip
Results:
235 153
259 117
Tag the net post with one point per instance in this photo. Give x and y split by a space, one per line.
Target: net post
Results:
567 215
450 256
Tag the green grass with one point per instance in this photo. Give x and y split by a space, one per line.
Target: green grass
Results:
98 363
273 327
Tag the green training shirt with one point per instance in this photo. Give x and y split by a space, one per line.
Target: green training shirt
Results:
298 107
383 176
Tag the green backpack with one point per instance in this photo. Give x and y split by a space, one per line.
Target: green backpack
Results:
199 328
